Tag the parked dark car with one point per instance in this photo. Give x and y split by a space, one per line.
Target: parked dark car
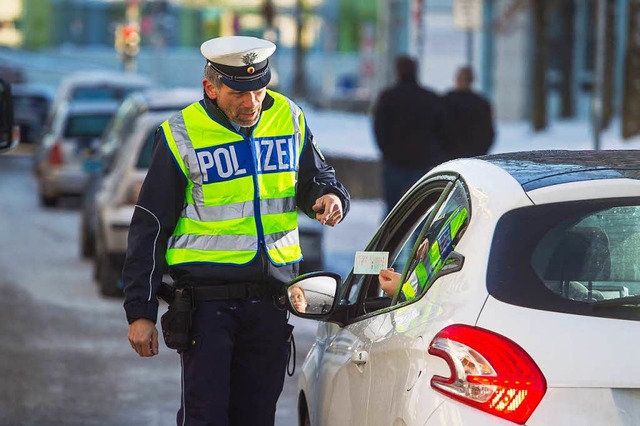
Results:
31 104
9 133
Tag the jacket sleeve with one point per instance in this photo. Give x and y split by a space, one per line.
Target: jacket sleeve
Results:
155 215
316 178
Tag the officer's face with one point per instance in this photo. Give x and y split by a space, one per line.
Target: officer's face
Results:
242 108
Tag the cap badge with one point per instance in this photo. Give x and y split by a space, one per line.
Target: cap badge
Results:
251 70
249 58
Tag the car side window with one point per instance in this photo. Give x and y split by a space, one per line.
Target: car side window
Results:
438 238
398 235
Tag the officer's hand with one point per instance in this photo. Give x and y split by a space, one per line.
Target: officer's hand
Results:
328 209
143 337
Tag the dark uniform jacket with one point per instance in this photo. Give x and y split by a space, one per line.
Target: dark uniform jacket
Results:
468 123
408 125
159 206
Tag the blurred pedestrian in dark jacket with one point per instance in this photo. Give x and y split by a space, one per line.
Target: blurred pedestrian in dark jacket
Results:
407 123
468 118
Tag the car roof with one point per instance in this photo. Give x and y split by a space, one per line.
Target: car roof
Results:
97 77
32 90
83 79
153 119
162 99
538 169
79 107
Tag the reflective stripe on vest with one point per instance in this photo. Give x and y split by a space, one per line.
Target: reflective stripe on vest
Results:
240 191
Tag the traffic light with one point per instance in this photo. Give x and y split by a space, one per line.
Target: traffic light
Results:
127 40
131 37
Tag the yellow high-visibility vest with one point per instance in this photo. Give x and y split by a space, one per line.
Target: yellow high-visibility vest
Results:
241 192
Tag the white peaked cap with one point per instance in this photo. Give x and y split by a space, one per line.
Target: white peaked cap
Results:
236 51
242 62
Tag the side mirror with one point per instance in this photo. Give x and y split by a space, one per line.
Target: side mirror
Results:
9 132
313 295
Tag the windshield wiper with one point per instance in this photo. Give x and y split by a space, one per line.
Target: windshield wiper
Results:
621 301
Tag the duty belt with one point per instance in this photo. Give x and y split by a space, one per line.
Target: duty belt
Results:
240 290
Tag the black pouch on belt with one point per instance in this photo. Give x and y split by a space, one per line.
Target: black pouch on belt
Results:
176 322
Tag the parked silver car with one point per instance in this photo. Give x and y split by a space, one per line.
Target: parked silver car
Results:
135 106
72 138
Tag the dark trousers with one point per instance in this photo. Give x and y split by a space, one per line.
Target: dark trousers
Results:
397 180
234 372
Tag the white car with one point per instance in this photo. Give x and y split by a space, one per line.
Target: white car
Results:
522 307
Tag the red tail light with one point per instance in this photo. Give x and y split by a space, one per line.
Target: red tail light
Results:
488 372
55 154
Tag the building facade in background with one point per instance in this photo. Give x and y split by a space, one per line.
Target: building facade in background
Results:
10 12
534 59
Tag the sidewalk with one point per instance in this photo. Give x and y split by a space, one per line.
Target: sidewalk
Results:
351 135
568 134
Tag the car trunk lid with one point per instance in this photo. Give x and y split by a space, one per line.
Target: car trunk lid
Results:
573 351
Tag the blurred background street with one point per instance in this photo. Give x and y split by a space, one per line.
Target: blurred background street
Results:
560 74
64 350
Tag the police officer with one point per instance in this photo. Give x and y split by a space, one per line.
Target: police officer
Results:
219 205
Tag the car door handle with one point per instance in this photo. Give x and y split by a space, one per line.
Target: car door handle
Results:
360 358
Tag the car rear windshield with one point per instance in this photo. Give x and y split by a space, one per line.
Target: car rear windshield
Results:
577 257
86 126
